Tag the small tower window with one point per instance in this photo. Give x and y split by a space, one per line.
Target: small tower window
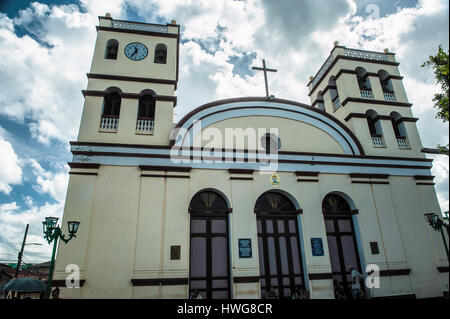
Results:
375 128
334 95
364 83
145 123
399 129
320 102
111 110
161 53
112 46
386 85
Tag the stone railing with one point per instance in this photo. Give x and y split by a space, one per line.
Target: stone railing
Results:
109 123
145 125
322 70
401 142
366 55
388 96
366 94
377 140
139 26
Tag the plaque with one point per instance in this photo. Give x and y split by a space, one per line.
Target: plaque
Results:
245 247
317 247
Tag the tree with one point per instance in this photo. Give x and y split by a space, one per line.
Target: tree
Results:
439 63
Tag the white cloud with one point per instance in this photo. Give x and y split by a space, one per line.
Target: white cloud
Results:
10 170
52 183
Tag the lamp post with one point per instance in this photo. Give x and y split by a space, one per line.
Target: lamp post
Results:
52 233
437 223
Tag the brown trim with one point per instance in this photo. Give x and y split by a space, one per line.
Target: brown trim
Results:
165 176
394 272
380 117
136 96
247 151
378 102
304 173
362 175
165 168
62 283
83 165
82 173
241 178
442 269
156 34
355 211
431 184
255 99
160 281
246 279
423 178
307 180
320 276
240 171
369 182
406 296
408 119
357 115
130 78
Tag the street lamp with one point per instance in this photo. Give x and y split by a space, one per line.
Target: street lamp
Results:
437 223
52 233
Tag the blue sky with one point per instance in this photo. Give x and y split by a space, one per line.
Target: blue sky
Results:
47 48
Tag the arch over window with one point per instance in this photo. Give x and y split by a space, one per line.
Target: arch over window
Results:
112 47
161 53
320 102
332 88
111 102
374 123
385 81
147 104
274 203
209 262
398 125
363 79
341 238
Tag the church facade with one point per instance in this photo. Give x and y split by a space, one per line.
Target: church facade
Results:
246 194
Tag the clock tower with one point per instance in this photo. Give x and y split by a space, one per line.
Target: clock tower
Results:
131 89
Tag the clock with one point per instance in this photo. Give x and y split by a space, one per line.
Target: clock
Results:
136 51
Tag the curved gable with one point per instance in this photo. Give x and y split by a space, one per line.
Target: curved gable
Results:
222 110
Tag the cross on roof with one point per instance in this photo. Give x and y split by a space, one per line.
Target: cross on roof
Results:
265 74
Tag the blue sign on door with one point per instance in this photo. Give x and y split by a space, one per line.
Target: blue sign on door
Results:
245 247
317 247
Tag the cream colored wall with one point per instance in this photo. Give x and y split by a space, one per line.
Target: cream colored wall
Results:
126 67
294 135
129 222
126 133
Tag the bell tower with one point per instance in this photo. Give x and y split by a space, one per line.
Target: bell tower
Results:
364 90
130 94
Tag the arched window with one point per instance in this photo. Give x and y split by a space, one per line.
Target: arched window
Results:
386 85
364 83
332 88
111 109
341 239
161 53
399 129
146 112
375 128
280 258
320 102
112 47
209 270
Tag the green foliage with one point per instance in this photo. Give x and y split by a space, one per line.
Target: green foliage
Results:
439 63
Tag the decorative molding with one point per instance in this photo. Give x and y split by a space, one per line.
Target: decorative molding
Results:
361 175
165 176
394 272
246 279
369 182
130 79
307 180
136 96
165 168
303 173
143 32
82 173
379 117
320 276
83 165
62 283
160 282
430 184
442 269
241 178
423 177
240 171
378 102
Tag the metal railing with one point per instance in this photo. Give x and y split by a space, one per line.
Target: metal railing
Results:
388 96
401 142
366 55
109 122
145 125
366 94
377 140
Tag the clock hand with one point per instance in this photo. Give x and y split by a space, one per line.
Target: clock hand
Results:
135 51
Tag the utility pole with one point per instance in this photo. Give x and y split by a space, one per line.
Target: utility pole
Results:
19 261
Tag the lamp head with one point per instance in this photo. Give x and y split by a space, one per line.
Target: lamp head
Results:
73 227
51 222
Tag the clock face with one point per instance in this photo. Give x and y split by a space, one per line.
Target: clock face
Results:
136 51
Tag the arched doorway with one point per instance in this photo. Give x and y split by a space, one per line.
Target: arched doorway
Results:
280 259
209 270
341 239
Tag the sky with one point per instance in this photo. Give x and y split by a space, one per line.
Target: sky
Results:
46 50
